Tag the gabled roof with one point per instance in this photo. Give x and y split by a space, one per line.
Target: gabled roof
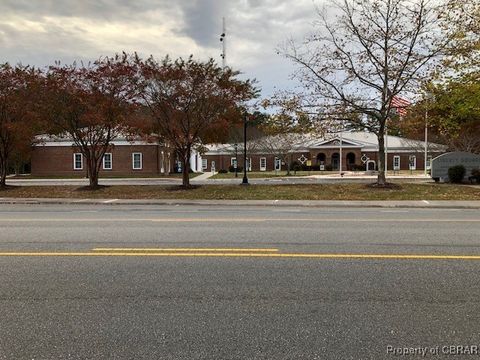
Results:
366 141
335 142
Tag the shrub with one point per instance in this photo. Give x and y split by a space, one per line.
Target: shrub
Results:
232 169
222 171
476 172
296 166
357 167
456 173
315 167
328 167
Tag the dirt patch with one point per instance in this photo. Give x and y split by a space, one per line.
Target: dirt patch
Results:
386 186
92 188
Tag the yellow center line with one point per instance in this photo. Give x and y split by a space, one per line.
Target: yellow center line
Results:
245 255
240 250
211 220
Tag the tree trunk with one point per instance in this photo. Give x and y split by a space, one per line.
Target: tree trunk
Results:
92 172
186 169
289 158
381 159
3 173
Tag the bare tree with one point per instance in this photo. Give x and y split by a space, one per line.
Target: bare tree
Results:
285 135
282 146
362 55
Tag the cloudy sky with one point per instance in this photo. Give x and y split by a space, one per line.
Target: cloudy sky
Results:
39 32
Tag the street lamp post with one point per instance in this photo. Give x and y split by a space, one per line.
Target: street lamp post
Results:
245 179
235 146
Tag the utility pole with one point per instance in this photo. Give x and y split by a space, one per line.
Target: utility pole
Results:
426 138
245 161
341 150
223 40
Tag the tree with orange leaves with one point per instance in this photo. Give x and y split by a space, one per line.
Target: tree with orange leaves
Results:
18 88
192 102
92 105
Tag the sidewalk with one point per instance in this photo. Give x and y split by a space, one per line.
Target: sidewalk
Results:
202 177
433 204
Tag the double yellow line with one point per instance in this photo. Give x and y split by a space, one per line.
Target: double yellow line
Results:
231 253
188 250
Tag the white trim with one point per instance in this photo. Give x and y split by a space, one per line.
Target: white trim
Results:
111 161
115 143
345 142
396 163
336 147
204 164
414 165
233 162
75 161
429 162
249 163
133 161
263 168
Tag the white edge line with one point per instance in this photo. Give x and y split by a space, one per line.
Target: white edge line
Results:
110 201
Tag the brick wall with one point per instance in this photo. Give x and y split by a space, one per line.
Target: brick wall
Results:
223 161
58 161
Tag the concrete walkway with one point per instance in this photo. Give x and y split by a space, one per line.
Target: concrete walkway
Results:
205 179
202 177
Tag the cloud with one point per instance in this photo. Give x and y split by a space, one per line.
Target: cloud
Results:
39 32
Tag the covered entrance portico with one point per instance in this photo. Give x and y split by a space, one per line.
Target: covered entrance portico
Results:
327 155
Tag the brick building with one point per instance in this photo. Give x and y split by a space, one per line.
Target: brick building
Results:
59 157
359 152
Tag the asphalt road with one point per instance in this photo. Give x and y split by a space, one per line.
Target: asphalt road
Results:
185 282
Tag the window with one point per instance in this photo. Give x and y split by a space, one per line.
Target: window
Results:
107 161
396 162
263 164
204 164
233 162
249 164
137 161
412 162
429 162
278 164
178 166
77 161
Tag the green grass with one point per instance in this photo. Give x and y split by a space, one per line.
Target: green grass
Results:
405 191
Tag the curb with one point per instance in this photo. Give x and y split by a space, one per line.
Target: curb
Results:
417 204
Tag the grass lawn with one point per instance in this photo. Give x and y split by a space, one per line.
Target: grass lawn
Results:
254 192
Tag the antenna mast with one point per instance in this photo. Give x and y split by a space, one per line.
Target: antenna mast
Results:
223 40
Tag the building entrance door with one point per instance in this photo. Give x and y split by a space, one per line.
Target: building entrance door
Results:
336 161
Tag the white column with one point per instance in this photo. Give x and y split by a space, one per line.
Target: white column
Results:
341 149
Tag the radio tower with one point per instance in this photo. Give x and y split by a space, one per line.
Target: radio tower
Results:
223 40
